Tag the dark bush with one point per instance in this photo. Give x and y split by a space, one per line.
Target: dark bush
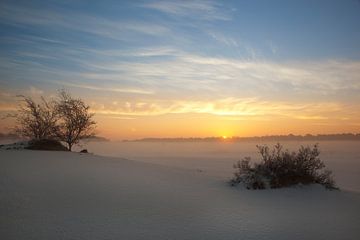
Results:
282 168
46 144
66 119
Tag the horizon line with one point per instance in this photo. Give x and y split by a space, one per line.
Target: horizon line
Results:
335 136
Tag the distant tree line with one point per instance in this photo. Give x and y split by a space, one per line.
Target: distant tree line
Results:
307 137
65 119
289 137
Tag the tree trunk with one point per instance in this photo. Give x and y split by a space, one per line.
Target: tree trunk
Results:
69 146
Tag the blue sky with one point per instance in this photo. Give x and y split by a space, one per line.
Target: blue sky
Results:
225 58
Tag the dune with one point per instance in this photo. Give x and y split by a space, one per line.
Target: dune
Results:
64 195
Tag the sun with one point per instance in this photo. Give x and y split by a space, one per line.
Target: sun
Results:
224 137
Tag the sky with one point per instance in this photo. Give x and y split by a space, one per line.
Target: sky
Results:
188 68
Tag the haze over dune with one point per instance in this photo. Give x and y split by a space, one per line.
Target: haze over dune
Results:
216 158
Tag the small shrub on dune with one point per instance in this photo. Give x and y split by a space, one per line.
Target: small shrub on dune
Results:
281 168
46 144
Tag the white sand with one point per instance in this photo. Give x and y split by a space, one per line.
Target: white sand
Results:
61 195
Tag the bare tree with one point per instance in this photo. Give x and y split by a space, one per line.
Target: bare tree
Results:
76 122
36 120
66 119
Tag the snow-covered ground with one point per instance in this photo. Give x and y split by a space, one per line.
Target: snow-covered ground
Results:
62 195
217 158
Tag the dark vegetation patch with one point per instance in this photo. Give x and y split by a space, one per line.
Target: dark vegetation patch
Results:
281 168
46 144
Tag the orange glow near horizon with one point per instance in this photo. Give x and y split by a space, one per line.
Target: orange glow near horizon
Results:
219 118
174 125
224 117
205 125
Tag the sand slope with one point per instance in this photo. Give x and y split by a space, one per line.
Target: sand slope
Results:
61 195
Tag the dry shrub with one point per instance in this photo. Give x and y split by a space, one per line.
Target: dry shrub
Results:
281 168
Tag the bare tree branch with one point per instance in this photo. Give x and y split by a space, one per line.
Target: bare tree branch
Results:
76 122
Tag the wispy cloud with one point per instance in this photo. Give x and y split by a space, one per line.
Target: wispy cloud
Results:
169 71
104 89
159 51
102 27
228 76
203 9
229 107
228 41
34 55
